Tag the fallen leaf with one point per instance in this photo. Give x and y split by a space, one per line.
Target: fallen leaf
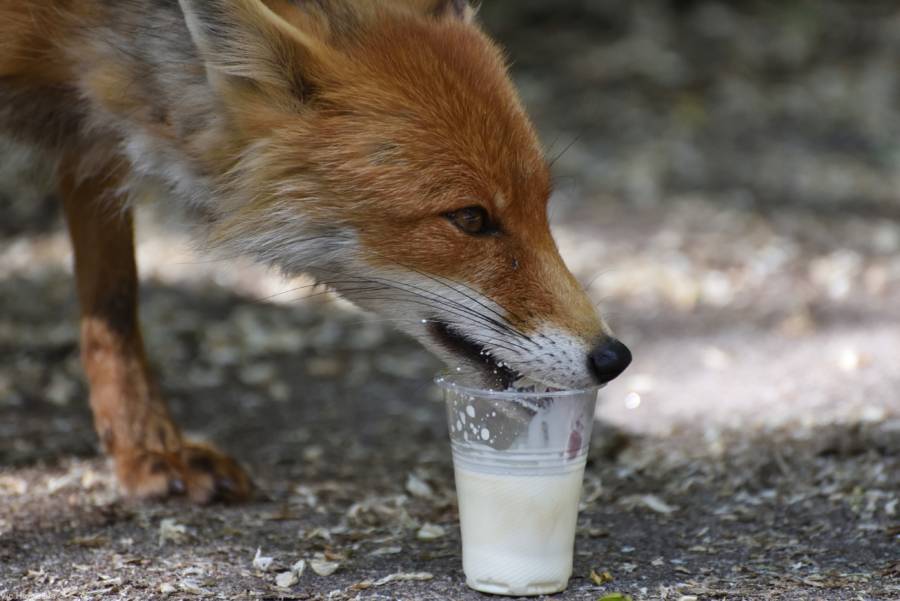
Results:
94 541
286 579
600 578
331 555
403 576
650 502
322 566
299 567
54 485
322 533
615 597
262 563
398 577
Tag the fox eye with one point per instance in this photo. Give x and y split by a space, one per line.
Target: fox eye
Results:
472 220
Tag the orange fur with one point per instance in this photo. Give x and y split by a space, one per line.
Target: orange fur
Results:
336 137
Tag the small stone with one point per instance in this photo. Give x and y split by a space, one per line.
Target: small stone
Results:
430 532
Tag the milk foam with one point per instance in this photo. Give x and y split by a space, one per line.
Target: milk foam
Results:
518 532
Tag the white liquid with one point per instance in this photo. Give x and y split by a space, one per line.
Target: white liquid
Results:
518 532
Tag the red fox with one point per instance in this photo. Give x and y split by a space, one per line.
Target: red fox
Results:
377 145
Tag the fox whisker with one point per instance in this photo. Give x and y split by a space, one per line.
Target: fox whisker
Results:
433 304
443 281
494 323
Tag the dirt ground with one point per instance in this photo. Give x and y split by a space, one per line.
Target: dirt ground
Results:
729 193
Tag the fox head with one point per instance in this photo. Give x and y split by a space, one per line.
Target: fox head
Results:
381 147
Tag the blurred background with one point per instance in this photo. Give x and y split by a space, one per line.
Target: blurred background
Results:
728 191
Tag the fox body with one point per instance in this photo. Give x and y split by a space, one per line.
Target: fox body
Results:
376 145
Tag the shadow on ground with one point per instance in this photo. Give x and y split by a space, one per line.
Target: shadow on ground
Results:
333 414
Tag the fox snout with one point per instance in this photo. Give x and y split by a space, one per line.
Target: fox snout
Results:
608 360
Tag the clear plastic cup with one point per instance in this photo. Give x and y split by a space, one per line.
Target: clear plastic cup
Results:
519 459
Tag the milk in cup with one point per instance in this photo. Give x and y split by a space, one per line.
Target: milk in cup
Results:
518 531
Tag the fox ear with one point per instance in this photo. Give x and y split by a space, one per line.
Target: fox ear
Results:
249 48
443 9
457 9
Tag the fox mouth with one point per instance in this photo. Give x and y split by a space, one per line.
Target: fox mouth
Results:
494 373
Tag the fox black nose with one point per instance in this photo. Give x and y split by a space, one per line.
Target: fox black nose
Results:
608 360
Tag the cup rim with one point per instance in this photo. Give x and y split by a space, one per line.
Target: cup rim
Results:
445 382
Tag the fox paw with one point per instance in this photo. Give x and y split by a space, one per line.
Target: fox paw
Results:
199 472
